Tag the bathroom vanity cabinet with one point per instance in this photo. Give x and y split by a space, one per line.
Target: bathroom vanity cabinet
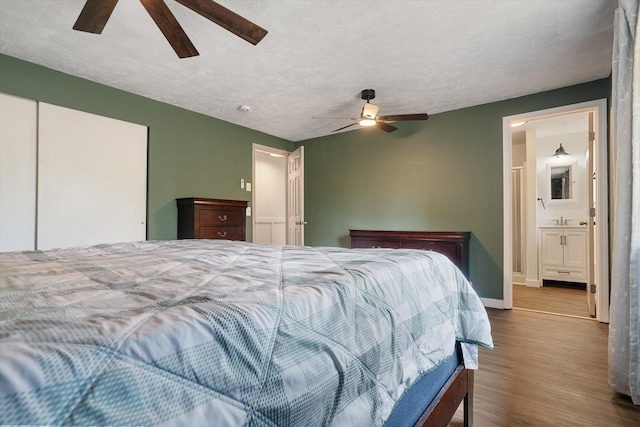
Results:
564 254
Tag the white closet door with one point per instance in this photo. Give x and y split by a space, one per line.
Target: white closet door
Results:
18 142
92 179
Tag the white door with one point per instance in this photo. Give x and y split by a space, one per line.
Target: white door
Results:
295 198
18 145
592 274
92 179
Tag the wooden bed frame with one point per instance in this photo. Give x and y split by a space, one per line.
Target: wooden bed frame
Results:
455 245
458 388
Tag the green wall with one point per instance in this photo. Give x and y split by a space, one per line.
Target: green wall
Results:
190 154
444 174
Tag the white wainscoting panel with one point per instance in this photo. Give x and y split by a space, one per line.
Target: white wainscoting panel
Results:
270 230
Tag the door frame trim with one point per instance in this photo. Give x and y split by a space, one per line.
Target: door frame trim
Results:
602 198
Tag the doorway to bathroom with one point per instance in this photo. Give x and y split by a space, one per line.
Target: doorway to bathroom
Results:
278 196
556 211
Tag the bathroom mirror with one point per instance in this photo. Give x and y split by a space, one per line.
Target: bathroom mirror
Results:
561 182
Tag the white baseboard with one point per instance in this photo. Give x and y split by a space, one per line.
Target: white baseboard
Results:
492 303
518 279
535 283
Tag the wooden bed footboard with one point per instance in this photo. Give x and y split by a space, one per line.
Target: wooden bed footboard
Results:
458 388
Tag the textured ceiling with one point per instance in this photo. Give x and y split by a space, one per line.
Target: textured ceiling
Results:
426 56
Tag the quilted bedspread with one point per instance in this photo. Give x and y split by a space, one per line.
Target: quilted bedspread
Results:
198 332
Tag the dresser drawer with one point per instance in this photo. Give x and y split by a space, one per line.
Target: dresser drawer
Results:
564 273
226 233
215 217
200 218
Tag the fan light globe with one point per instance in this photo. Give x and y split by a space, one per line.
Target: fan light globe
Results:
366 122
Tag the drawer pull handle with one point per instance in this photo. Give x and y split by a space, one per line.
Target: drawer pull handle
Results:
222 233
222 217
564 272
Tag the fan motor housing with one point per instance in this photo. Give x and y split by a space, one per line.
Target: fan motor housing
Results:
368 94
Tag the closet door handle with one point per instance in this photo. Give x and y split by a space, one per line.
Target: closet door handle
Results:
222 218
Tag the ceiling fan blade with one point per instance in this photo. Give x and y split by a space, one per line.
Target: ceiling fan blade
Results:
404 117
334 118
172 30
385 127
227 19
344 127
94 15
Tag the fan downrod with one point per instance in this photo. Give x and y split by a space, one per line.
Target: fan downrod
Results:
368 94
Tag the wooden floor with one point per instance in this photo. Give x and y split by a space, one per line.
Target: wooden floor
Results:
561 300
546 370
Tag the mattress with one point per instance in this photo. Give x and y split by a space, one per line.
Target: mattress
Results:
198 332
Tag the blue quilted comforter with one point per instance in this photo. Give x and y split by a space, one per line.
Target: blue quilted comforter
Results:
198 332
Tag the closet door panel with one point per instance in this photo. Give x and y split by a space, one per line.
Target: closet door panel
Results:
18 145
92 179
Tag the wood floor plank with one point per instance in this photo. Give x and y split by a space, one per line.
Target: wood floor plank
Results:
546 370
569 301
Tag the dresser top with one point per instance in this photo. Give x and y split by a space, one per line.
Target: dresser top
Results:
211 202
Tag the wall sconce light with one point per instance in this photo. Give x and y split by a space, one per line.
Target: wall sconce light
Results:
560 151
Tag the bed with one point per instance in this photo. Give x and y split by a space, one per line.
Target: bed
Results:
210 332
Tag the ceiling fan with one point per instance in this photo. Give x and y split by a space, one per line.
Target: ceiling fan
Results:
96 13
369 115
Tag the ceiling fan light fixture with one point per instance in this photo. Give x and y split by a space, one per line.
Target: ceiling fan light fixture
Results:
369 116
370 111
366 122
560 151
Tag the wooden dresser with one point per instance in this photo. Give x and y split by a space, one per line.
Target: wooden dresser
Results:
453 244
200 218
